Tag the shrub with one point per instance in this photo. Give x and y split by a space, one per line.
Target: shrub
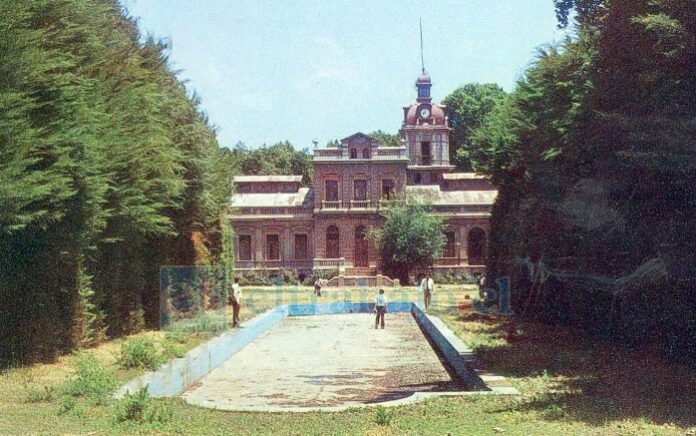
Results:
91 380
382 417
139 353
36 395
138 408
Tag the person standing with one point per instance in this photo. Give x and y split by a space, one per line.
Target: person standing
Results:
236 299
317 287
427 287
380 308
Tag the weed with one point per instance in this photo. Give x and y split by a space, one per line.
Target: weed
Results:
138 408
382 417
92 380
139 353
36 395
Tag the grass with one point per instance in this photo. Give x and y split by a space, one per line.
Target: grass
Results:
570 384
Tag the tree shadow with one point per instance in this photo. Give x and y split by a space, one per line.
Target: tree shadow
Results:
565 374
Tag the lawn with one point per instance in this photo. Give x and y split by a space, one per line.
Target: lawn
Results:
570 384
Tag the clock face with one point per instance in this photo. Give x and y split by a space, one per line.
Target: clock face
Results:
424 112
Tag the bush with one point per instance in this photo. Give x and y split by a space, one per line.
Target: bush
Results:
323 274
138 408
36 395
139 353
452 278
382 417
92 380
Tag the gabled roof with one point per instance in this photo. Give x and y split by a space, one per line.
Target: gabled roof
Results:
358 135
276 178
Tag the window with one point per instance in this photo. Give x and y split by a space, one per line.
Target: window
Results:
366 153
423 92
353 153
360 190
387 188
426 157
244 247
417 179
332 242
449 245
331 190
300 246
272 247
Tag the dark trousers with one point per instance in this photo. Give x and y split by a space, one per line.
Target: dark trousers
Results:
380 315
427 297
235 313
317 290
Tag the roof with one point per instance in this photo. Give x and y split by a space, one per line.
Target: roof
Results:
269 178
301 198
463 176
437 116
437 197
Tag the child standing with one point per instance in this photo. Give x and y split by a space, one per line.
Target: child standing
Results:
380 307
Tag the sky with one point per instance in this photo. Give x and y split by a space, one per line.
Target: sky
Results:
304 71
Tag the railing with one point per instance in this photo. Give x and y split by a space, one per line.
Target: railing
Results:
391 152
328 152
330 204
360 204
322 263
273 264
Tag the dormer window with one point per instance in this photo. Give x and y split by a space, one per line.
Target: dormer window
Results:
366 153
353 153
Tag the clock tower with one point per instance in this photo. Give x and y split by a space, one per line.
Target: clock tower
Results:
426 135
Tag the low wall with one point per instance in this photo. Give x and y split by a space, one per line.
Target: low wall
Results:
453 350
344 307
459 357
179 374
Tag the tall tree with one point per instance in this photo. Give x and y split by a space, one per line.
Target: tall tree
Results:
466 107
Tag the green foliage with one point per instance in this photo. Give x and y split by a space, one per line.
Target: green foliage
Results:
280 158
139 353
593 155
450 278
91 380
386 139
44 394
138 408
382 416
108 168
466 108
411 237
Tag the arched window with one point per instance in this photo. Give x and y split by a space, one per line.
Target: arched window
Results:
476 246
366 153
353 153
332 242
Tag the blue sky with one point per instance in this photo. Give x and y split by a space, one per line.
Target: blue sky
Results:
268 71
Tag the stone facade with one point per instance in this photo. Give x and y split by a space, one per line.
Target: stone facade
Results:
279 224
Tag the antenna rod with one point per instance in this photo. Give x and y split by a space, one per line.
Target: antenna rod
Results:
420 23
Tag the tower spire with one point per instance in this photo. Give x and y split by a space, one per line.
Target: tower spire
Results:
420 24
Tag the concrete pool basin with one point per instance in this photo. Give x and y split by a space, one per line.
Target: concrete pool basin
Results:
324 357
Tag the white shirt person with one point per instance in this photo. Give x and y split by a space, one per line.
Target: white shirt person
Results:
427 287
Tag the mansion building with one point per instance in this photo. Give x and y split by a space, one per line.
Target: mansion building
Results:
278 223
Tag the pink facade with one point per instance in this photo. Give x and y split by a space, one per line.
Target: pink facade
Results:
279 224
